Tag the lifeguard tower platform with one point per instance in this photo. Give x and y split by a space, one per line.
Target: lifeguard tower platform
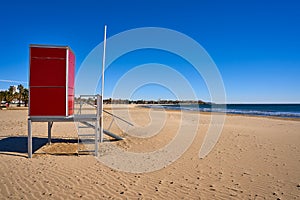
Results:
51 95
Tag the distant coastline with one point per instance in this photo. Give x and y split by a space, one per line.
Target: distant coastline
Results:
160 102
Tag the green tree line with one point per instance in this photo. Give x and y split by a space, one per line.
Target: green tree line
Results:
9 95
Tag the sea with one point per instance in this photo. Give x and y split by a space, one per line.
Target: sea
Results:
272 110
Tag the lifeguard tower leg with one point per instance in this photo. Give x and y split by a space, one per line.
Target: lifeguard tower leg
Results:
49 131
29 139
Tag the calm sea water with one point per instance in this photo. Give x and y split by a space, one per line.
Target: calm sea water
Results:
276 110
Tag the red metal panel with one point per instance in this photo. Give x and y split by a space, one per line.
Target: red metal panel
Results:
47 72
47 101
71 80
49 83
48 52
70 101
71 77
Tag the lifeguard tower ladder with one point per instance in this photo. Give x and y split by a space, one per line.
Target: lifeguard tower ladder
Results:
89 127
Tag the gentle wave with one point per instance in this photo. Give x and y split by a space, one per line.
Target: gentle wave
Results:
276 110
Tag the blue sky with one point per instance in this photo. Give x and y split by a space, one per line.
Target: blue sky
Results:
255 44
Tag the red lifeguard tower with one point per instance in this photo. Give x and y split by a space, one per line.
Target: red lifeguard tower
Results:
51 95
51 86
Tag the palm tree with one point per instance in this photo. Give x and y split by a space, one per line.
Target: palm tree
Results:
20 94
2 97
10 94
25 96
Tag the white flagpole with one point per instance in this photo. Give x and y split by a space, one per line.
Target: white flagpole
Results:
102 89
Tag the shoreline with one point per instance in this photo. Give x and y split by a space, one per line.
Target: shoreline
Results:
222 113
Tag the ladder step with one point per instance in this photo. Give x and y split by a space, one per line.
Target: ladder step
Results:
86 150
87 124
89 143
86 135
87 140
84 127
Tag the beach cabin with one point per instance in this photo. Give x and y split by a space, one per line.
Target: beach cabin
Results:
51 96
51 86
51 81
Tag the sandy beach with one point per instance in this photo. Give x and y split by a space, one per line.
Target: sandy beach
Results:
254 158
